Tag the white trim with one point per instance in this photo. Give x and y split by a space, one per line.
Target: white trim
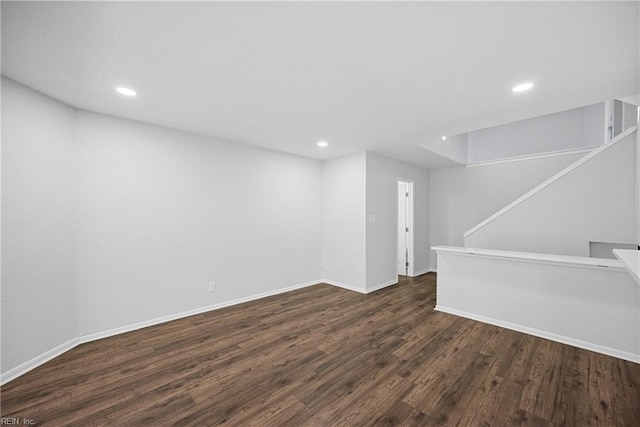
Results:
411 215
382 285
630 260
423 271
25 367
345 286
599 263
412 225
551 180
524 157
144 324
620 354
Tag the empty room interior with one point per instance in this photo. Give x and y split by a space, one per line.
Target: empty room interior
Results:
320 213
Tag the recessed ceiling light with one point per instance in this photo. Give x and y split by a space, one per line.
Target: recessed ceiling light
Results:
322 144
522 87
444 137
126 91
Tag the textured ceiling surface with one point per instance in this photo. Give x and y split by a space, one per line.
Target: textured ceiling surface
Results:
380 76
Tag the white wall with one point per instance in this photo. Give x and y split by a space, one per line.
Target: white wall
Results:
382 202
597 308
593 121
344 226
633 99
360 253
108 222
38 224
572 129
164 212
593 202
461 197
454 147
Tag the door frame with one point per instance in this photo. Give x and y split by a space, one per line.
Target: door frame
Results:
410 222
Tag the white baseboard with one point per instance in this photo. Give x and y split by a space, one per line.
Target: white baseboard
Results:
43 358
128 328
421 272
345 286
381 286
27 366
620 354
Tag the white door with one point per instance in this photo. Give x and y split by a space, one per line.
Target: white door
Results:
403 190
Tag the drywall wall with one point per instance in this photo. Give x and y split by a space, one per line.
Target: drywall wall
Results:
593 202
572 129
38 225
597 308
632 99
462 197
382 212
163 212
593 121
605 249
630 112
360 220
344 226
453 147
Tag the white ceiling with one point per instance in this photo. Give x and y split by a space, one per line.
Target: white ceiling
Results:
380 76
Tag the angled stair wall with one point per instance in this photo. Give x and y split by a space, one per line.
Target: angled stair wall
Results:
593 199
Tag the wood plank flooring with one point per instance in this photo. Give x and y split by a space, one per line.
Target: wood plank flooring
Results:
324 356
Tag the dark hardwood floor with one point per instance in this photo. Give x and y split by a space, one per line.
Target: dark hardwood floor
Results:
324 356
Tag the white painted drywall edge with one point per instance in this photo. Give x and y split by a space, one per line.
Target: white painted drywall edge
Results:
630 260
620 354
533 257
27 366
551 180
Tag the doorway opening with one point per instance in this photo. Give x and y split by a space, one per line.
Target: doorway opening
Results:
405 227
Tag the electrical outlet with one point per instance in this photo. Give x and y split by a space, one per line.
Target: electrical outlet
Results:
212 286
